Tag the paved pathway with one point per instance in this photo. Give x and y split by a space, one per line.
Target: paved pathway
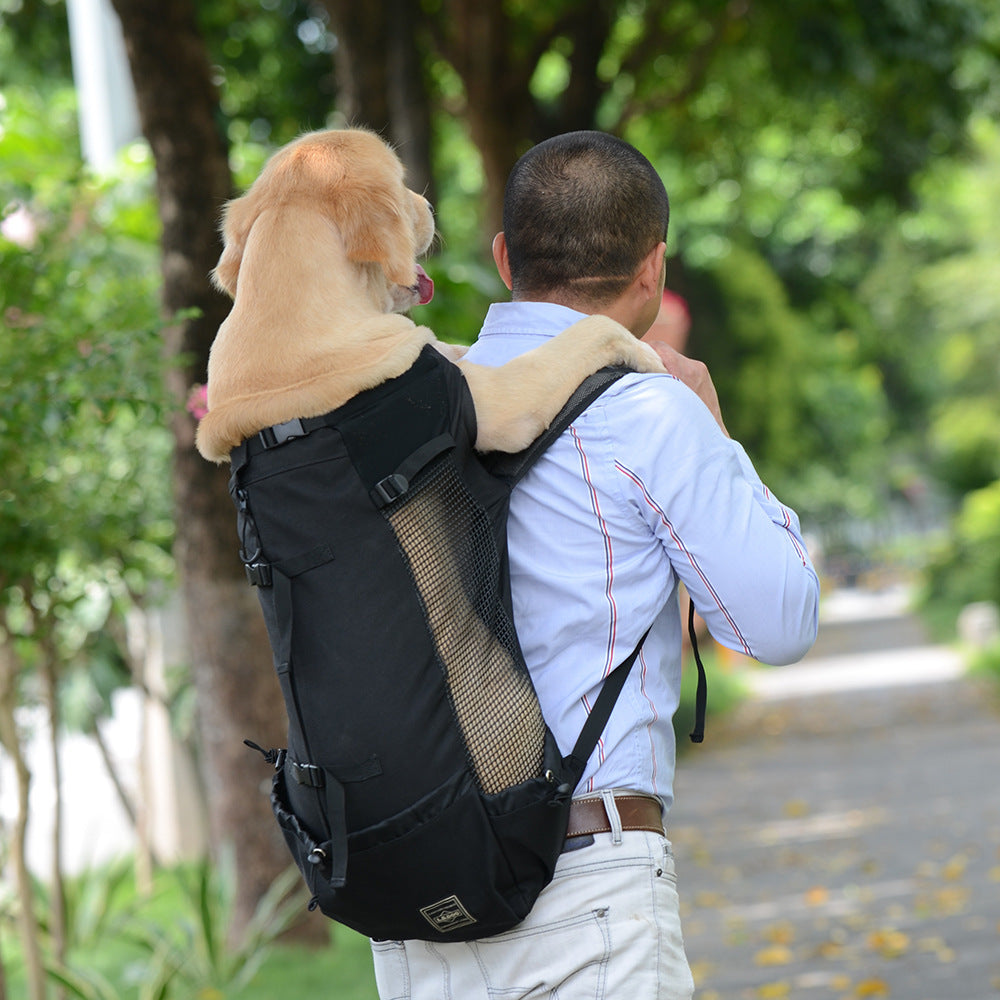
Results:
839 836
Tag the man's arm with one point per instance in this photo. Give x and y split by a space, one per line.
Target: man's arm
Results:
737 549
694 374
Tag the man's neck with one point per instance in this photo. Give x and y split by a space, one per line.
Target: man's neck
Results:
617 310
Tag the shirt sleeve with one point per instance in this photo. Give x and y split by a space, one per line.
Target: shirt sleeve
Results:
736 548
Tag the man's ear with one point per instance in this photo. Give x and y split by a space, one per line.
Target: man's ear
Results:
651 271
501 259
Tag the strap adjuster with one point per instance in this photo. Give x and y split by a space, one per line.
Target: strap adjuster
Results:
389 489
278 434
309 775
258 574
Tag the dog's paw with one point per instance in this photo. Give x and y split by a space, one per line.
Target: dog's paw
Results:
647 360
616 344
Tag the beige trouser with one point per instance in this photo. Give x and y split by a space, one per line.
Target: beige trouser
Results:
607 927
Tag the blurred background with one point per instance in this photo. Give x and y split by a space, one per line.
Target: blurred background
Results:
834 257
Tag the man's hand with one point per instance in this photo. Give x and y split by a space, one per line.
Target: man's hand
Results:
694 374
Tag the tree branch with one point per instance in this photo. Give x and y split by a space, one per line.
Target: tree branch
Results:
657 39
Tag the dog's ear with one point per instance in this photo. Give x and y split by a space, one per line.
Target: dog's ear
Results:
376 226
236 221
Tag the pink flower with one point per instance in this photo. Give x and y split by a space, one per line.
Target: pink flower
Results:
197 401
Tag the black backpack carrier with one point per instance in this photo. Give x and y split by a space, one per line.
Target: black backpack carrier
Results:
421 794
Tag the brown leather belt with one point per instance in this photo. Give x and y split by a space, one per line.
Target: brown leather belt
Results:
637 812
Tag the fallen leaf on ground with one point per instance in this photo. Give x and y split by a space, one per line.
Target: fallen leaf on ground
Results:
955 867
872 988
889 943
776 954
796 808
710 900
817 895
938 947
951 900
830 949
774 991
781 933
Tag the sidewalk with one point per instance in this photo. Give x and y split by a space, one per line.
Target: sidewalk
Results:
839 835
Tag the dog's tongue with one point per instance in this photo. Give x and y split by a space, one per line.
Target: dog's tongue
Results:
425 286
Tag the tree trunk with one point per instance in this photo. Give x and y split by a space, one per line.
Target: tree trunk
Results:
489 51
478 40
10 740
238 694
57 888
380 80
3 976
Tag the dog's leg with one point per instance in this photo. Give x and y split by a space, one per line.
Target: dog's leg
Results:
515 402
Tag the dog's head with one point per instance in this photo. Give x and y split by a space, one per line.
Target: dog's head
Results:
355 180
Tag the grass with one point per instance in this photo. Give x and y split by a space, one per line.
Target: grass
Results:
343 971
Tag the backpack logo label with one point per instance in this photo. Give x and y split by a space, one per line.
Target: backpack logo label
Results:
447 914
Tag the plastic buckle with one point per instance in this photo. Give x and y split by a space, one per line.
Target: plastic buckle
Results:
258 574
389 489
277 434
309 775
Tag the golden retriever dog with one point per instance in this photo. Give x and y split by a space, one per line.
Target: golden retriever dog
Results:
320 257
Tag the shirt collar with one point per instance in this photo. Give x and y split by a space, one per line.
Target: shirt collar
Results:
541 319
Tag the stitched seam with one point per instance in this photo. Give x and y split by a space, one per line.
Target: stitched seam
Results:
607 829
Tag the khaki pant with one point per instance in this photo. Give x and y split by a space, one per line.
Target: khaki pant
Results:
607 927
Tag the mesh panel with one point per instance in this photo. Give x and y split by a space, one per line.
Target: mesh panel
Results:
446 538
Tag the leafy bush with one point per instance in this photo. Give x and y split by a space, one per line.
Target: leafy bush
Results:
171 945
966 566
987 662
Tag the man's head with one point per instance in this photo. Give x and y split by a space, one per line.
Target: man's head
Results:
582 212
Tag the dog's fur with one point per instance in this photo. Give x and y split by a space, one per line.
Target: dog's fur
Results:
320 257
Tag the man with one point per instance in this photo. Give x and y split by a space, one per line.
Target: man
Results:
643 492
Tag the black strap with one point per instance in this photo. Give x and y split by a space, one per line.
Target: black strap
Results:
576 762
392 487
277 435
513 468
701 695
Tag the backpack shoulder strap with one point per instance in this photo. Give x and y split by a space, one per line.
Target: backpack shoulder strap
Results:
576 762
513 468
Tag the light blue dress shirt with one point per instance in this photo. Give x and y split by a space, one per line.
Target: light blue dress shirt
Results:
642 492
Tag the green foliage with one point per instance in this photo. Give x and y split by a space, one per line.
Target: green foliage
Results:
987 663
344 970
173 944
40 28
190 955
464 286
135 945
790 391
81 431
276 75
85 501
966 565
959 242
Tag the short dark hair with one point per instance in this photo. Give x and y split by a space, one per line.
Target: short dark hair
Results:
580 212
